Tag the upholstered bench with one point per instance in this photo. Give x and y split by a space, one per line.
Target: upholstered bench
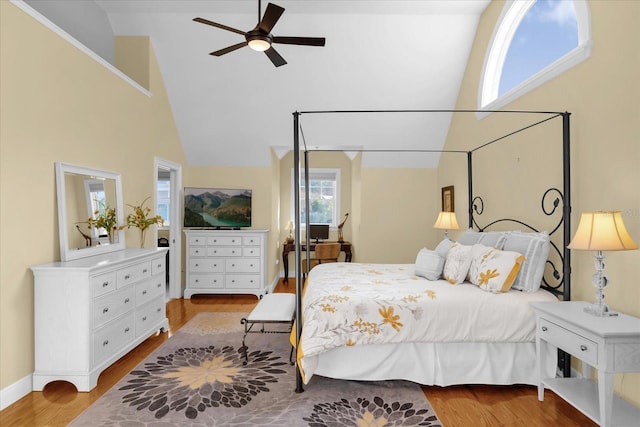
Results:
272 308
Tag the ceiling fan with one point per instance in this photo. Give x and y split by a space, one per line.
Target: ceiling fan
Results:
260 38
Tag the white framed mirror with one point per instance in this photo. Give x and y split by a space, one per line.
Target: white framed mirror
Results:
81 192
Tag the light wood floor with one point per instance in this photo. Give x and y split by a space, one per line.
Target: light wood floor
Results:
457 406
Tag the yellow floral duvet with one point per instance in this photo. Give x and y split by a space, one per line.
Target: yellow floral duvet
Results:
356 304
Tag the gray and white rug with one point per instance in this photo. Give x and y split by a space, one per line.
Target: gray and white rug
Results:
198 378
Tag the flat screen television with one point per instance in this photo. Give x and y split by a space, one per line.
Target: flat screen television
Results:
318 232
217 208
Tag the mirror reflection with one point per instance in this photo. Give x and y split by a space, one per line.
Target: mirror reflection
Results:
90 210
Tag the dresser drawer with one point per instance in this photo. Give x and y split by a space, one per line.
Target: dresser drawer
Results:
198 251
206 281
158 265
149 289
112 337
103 283
572 343
251 240
251 251
111 306
197 241
251 265
134 273
224 251
224 241
149 315
206 265
243 281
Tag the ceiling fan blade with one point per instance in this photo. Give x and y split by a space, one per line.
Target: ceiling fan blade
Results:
223 27
271 16
275 57
229 49
305 41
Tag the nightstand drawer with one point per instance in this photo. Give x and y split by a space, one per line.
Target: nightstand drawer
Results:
572 343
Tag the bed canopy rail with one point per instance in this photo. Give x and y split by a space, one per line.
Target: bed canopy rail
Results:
552 198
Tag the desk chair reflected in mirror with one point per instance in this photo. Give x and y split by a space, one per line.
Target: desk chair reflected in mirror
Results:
324 252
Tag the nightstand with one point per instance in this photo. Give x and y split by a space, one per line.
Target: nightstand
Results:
609 344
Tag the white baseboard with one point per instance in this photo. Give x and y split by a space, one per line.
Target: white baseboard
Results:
16 391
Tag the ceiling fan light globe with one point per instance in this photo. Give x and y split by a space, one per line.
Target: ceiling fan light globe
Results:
259 45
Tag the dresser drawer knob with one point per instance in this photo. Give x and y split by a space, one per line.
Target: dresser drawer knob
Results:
105 284
159 265
105 343
158 310
544 329
159 285
144 292
126 329
104 310
144 271
144 319
126 300
583 347
126 277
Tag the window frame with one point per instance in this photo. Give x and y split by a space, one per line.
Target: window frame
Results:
512 14
317 171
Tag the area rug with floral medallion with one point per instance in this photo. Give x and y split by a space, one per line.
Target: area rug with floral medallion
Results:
198 377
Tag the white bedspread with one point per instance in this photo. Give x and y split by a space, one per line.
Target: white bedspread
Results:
353 304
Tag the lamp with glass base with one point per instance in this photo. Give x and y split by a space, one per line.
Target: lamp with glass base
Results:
601 231
446 221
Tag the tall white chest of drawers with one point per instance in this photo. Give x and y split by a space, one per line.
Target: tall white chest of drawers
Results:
226 262
90 312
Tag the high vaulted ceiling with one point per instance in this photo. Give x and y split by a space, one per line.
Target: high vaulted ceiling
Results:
379 55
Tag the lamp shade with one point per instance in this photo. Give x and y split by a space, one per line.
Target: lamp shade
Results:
602 231
447 221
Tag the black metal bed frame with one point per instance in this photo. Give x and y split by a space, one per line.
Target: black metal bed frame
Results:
561 283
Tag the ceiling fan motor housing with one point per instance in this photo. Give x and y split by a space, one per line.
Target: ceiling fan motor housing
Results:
258 40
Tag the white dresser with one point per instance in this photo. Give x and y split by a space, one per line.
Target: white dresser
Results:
226 262
90 312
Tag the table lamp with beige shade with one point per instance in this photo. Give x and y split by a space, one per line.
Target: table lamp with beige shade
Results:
601 231
446 221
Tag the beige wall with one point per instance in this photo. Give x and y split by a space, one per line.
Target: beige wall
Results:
399 208
58 104
603 96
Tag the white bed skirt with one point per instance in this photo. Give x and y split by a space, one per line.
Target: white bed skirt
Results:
441 364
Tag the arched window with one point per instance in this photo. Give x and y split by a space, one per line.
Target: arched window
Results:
533 42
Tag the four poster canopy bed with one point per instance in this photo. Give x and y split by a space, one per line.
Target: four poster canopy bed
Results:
459 315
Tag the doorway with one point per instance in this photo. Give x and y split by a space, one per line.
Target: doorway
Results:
168 190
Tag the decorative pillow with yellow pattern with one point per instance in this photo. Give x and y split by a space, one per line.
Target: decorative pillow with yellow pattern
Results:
457 263
494 270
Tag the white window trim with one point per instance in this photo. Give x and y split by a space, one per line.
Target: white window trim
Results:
512 14
334 171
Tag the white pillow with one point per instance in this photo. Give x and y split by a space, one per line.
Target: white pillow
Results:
443 247
494 239
470 237
535 249
494 270
457 263
429 264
